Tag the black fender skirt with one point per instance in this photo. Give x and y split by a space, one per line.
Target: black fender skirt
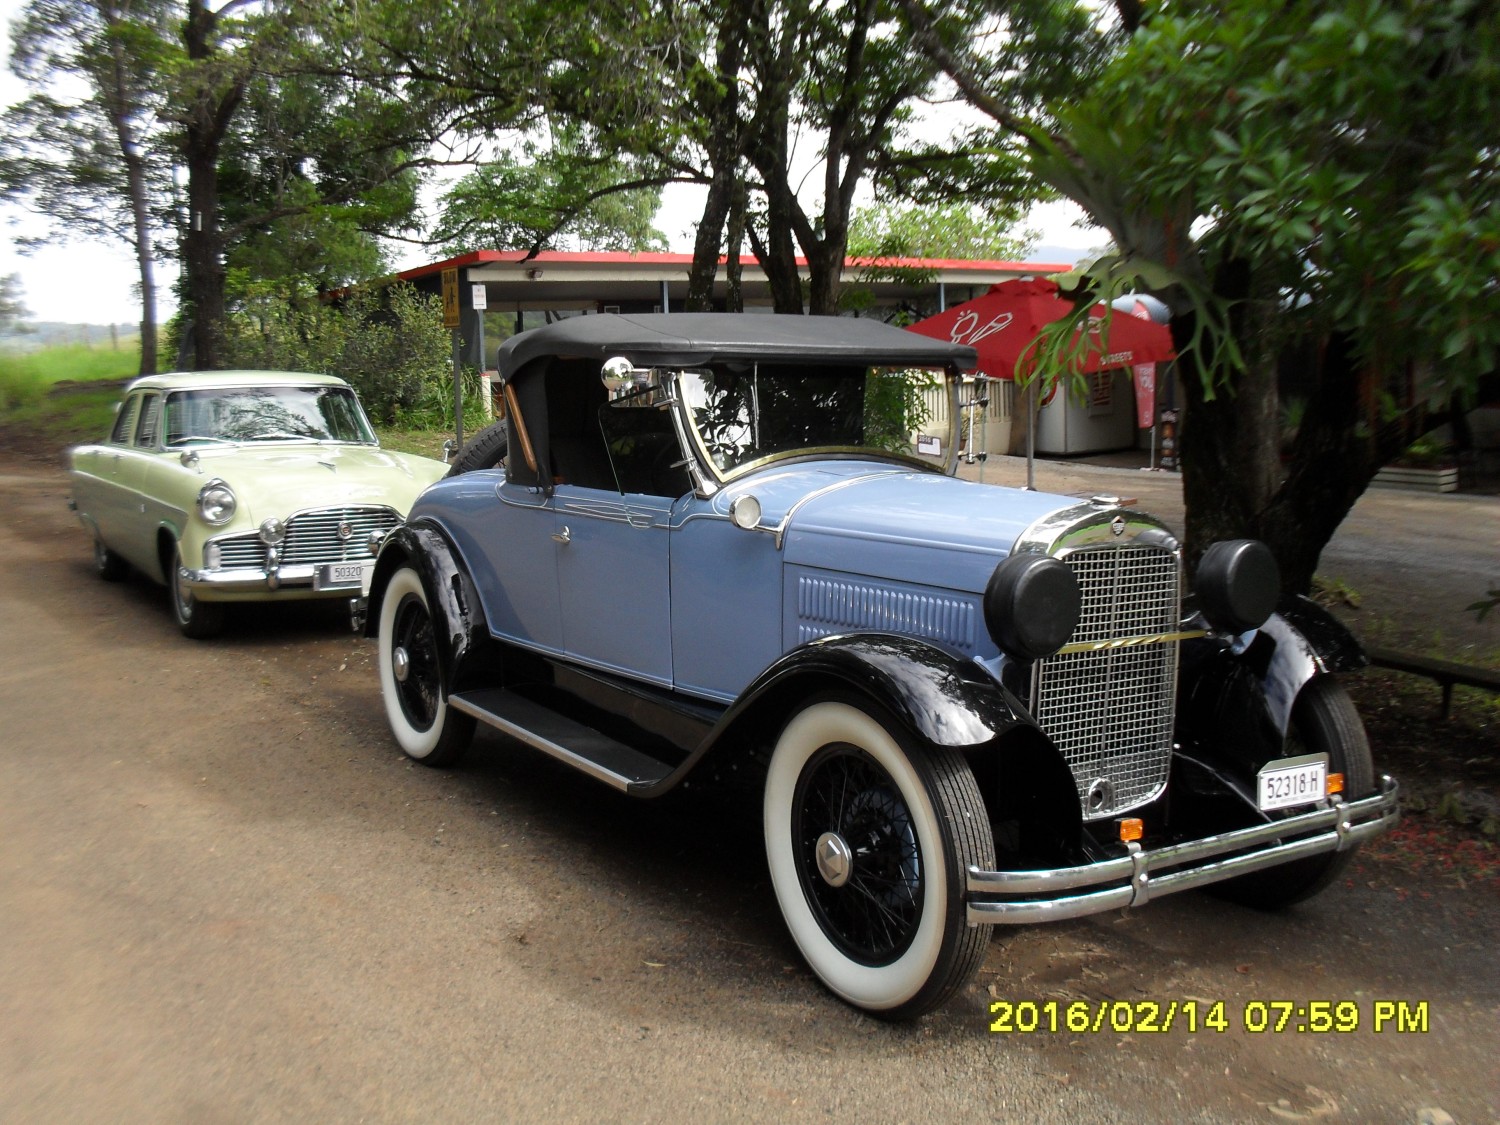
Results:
1243 699
458 624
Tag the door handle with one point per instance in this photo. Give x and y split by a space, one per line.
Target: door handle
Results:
563 536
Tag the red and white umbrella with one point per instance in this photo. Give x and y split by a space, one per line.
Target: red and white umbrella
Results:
1004 323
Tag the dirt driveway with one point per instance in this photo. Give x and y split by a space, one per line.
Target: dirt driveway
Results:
225 897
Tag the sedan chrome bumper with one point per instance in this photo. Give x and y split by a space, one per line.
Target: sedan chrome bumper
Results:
207 584
243 580
1013 897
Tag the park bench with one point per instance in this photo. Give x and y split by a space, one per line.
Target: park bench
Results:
1445 672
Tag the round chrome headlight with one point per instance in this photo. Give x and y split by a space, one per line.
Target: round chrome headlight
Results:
1031 605
272 532
1238 584
216 503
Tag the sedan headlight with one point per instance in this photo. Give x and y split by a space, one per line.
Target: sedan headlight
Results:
216 503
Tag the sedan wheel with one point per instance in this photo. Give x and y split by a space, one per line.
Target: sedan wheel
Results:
411 677
868 844
198 620
109 566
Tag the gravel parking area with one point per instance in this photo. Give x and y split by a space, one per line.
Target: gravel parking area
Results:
225 896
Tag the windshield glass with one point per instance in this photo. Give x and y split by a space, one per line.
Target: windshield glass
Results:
744 416
266 414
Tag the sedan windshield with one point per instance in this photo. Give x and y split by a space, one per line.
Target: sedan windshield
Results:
266 414
740 417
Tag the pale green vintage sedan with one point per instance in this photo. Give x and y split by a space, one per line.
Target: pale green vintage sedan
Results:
236 486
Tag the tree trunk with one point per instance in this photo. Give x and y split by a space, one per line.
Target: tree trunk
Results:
734 293
1231 459
778 255
726 145
147 266
1334 456
1234 483
120 102
202 254
208 121
825 269
705 268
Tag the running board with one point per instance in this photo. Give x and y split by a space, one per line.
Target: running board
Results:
581 747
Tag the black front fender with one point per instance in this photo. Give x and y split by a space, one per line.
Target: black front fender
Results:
458 624
1241 696
944 699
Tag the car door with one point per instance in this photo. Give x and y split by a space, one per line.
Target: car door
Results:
140 487
507 535
96 486
613 577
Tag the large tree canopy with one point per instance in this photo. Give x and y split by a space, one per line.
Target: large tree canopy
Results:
1314 172
553 199
82 147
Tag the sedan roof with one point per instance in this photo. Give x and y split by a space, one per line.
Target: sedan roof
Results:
700 339
191 380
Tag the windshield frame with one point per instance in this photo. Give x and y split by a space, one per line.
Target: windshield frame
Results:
178 395
712 477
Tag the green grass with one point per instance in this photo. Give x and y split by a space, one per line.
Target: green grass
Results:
71 362
50 395
65 394
85 415
424 443
26 378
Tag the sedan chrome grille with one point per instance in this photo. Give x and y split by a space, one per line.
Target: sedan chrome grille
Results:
333 535
1106 699
325 535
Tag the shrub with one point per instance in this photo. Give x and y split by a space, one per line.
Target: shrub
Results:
389 344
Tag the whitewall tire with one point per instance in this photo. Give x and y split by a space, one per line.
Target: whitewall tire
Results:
411 677
867 843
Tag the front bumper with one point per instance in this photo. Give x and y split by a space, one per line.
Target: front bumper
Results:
241 582
1016 897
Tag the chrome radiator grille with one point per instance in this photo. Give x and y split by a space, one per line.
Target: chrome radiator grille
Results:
326 535
1109 708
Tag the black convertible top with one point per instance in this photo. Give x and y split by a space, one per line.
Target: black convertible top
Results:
700 339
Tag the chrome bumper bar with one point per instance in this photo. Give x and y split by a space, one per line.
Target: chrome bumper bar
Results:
1014 897
243 580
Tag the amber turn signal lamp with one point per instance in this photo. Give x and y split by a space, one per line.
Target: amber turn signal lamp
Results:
1132 828
1335 783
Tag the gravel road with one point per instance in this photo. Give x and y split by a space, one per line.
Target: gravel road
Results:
226 897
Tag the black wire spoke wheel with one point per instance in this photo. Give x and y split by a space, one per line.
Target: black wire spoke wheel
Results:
870 833
419 681
860 864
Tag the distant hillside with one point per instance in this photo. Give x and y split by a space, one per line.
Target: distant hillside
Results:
50 333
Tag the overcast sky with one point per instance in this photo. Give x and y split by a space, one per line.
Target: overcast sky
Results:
94 281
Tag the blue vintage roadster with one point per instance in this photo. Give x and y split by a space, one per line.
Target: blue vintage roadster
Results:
703 537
